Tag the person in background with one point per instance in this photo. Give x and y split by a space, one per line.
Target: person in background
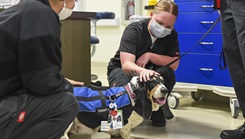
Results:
233 30
146 46
36 101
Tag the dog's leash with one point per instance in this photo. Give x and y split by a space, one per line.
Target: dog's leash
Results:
222 58
217 20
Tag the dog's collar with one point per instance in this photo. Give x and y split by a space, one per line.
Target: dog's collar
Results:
130 91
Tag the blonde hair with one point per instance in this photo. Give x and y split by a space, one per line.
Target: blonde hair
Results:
166 5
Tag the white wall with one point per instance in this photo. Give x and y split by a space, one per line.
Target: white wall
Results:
109 35
13 2
80 5
8 3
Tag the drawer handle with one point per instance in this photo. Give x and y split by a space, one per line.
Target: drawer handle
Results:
207 22
205 69
206 43
207 6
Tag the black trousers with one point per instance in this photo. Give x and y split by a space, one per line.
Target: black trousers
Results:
118 78
45 117
233 30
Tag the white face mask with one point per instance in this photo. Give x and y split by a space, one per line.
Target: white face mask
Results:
65 13
159 31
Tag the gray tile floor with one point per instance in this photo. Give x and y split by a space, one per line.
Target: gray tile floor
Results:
203 119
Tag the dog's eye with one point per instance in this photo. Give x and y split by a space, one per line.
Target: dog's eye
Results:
161 79
153 78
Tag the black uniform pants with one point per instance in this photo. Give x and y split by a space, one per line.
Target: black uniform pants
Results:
117 78
233 30
40 117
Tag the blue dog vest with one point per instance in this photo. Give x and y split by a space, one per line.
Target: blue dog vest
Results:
92 100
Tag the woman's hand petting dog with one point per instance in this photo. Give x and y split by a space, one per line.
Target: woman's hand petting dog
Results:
146 74
75 83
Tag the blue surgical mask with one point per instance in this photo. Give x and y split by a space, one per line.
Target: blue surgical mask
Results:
159 31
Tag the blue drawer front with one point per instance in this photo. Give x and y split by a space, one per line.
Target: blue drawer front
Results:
211 44
202 69
181 1
197 22
196 7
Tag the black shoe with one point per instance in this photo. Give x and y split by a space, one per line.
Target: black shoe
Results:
166 111
238 133
161 123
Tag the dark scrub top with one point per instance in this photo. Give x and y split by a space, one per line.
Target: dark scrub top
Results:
30 49
136 40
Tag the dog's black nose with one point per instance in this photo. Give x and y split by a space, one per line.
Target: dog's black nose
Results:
164 90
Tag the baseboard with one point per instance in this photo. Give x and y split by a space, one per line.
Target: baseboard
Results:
99 64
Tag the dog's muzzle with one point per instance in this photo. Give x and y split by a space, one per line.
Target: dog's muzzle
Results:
160 95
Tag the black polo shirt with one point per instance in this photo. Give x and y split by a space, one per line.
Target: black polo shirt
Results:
137 40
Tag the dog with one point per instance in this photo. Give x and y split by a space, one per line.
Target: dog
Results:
144 98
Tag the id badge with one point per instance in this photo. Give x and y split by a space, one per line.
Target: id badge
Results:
117 120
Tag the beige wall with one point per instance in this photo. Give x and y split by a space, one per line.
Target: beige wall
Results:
109 35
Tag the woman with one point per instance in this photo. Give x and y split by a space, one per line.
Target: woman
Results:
146 46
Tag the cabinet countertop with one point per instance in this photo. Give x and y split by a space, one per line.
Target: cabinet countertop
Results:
82 15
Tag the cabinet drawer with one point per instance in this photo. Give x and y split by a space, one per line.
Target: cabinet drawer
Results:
211 44
197 22
196 7
181 1
202 69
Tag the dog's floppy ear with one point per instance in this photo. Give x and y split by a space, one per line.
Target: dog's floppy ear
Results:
143 105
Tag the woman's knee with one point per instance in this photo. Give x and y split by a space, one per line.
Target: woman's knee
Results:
118 78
